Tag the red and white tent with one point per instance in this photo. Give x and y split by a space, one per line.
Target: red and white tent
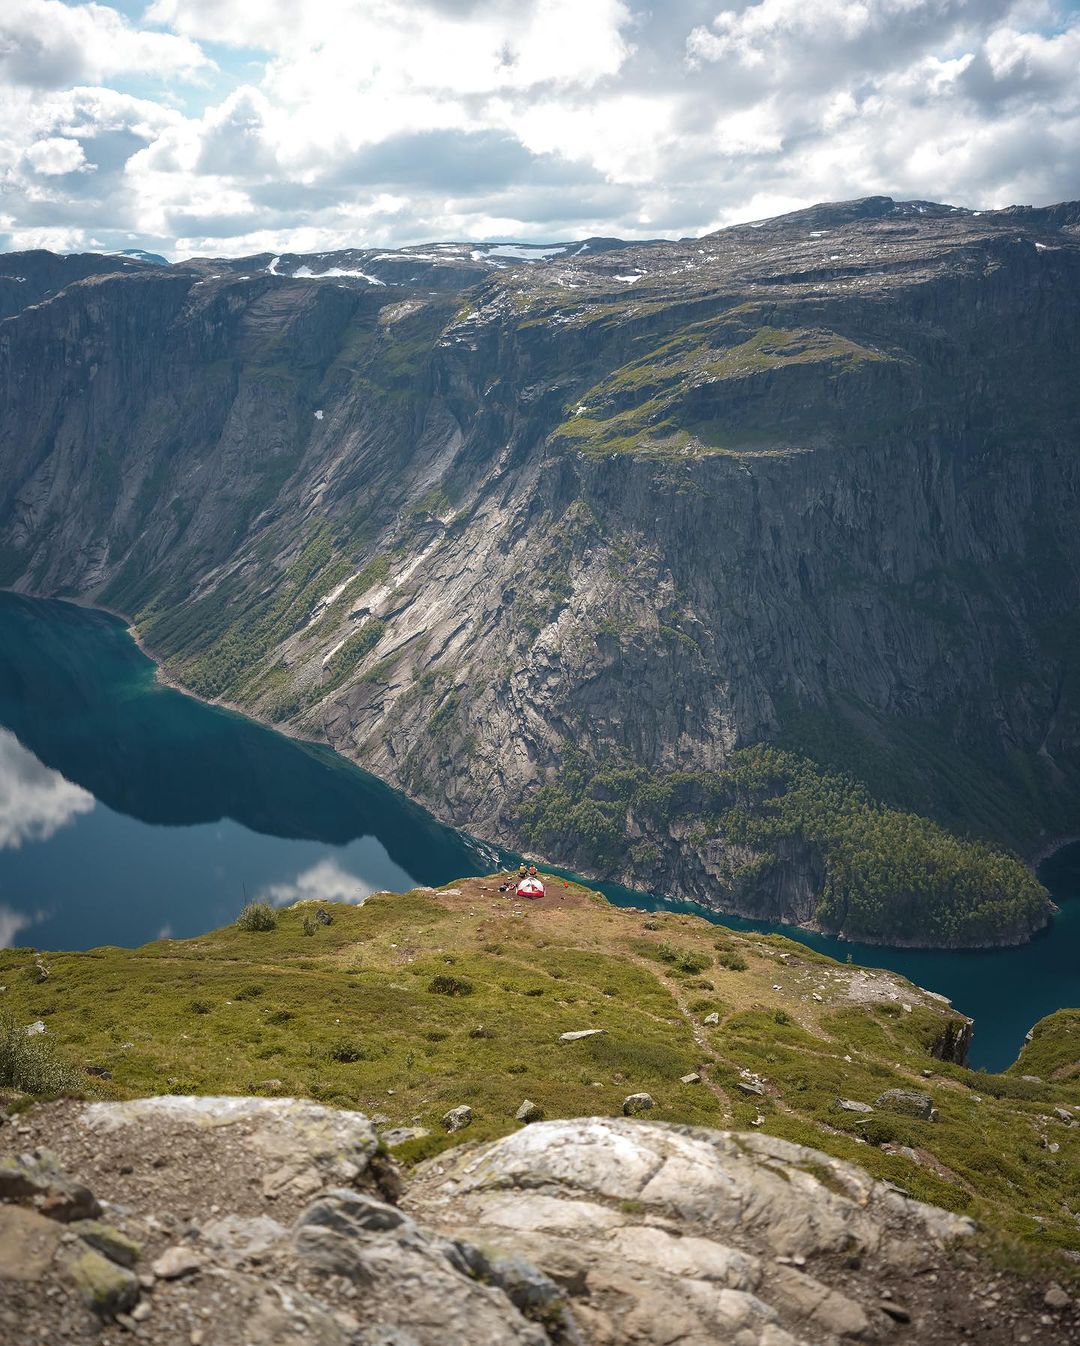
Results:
530 888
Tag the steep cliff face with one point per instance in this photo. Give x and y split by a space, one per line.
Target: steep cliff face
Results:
554 552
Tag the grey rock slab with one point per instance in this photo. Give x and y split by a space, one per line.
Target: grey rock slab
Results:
39 1178
458 1118
529 1112
28 1242
660 1228
853 1105
301 1146
420 1282
634 1103
908 1102
398 1135
692 1078
718 1179
580 1033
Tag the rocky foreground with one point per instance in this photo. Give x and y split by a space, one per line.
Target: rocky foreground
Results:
194 1221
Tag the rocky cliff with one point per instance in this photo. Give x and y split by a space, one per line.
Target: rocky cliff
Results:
557 546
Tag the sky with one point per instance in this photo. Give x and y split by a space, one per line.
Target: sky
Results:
229 127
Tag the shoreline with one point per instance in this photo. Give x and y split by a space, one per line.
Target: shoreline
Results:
166 679
1050 848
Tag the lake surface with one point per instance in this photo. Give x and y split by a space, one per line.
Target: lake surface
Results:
129 811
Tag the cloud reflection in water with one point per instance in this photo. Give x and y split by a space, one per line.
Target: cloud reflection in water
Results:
35 801
323 882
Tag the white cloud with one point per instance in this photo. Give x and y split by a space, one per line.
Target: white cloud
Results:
35 801
48 44
57 155
383 122
325 881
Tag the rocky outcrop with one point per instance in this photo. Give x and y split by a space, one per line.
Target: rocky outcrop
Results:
817 476
268 1222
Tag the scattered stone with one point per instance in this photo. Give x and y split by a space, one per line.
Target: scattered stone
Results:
141 1311
908 1102
752 1087
853 1105
1032 1079
40 1179
531 1112
457 1119
394 1136
895 1311
692 1078
1056 1297
32 1030
106 1288
236 1238
634 1103
117 1247
713 1018
176 1262
324 917
28 1242
581 1033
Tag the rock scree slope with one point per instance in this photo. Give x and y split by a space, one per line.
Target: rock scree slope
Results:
472 519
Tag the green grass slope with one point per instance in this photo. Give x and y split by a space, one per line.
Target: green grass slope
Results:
411 1004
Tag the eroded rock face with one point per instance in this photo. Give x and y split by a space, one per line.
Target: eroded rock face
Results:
671 1233
847 482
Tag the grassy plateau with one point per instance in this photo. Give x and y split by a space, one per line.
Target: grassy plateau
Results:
412 1003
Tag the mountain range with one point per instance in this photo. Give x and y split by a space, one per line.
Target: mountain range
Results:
741 567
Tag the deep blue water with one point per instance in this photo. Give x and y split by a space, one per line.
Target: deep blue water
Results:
129 811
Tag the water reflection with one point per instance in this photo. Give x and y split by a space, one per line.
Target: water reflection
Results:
11 923
128 810
326 881
34 800
198 809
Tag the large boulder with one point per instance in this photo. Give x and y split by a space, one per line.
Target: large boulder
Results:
666 1233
